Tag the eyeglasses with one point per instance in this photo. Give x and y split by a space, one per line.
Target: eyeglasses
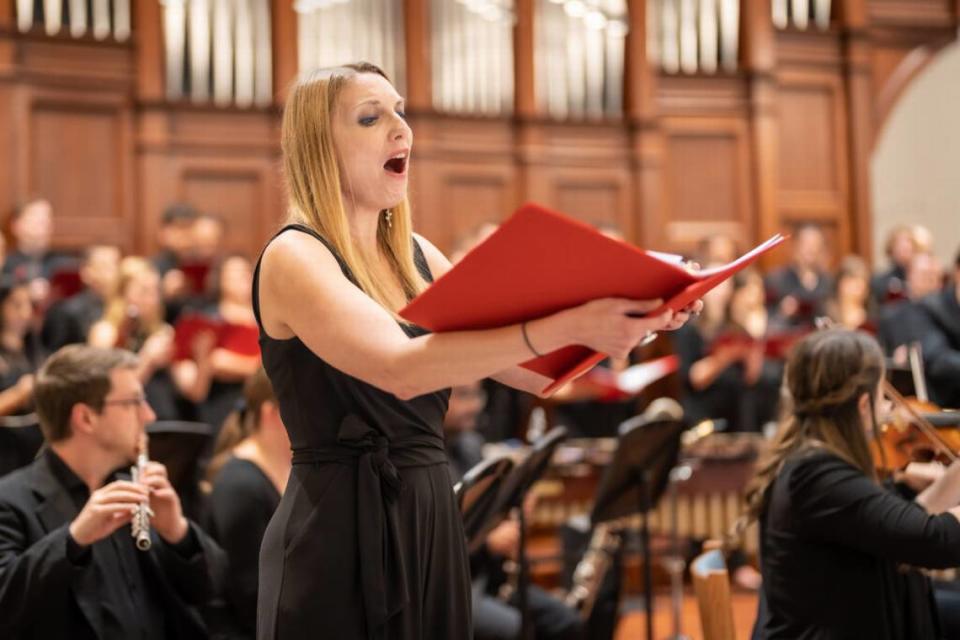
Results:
134 402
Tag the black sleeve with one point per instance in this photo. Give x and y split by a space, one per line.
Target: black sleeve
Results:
240 511
31 575
834 502
195 566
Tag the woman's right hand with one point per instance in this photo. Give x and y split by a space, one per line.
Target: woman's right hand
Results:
612 325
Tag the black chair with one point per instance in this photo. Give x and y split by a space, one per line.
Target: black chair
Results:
20 440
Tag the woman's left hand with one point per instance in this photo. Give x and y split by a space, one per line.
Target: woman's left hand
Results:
681 317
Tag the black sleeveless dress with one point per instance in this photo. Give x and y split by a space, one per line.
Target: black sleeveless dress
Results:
367 541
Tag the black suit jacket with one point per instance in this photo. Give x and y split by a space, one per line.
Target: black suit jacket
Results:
43 594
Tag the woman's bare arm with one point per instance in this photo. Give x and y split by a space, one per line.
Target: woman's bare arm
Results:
304 293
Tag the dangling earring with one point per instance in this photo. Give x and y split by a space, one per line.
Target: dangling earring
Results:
388 216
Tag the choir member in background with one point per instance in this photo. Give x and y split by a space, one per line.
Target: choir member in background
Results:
834 542
176 241
20 350
214 377
494 618
69 321
249 472
723 368
940 341
717 248
134 320
363 393
891 285
69 567
849 304
902 322
32 259
796 293
206 239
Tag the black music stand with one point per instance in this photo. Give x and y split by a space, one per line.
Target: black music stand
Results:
635 480
476 496
514 489
180 445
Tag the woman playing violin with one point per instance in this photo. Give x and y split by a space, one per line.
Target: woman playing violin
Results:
832 538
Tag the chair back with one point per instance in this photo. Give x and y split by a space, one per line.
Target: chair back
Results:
712 586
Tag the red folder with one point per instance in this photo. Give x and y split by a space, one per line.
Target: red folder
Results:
241 339
539 262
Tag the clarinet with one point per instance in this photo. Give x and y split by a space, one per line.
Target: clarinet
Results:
140 525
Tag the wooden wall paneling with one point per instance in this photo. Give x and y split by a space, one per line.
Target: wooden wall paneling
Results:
77 151
225 161
7 21
149 64
911 13
814 149
584 170
83 64
284 40
461 197
707 180
239 191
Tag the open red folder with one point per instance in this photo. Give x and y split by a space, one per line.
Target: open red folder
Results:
240 339
539 262
616 385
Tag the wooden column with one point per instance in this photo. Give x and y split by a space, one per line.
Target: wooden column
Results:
758 60
416 17
641 114
524 79
854 19
283 34
148 36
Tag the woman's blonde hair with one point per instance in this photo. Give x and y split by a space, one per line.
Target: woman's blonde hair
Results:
313 182
826 374
116 312
244 421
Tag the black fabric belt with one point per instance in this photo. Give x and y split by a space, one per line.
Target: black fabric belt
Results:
383 576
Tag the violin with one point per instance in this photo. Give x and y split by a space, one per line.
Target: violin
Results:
918 431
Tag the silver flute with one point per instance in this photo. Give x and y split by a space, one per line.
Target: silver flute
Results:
140 525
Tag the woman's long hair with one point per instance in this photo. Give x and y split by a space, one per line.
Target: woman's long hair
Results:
244 421
313 182
826 374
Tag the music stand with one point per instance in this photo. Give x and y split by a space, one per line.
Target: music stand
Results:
179 446
512 492
476 496
635 480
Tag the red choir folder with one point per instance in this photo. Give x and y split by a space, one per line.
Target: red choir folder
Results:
539 262
240 339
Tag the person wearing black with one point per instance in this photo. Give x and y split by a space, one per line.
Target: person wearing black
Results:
367 541
723 368
797 292
20 351
69 321
904 321
32 260
941 342
249 470
891 285
68 564
833 540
